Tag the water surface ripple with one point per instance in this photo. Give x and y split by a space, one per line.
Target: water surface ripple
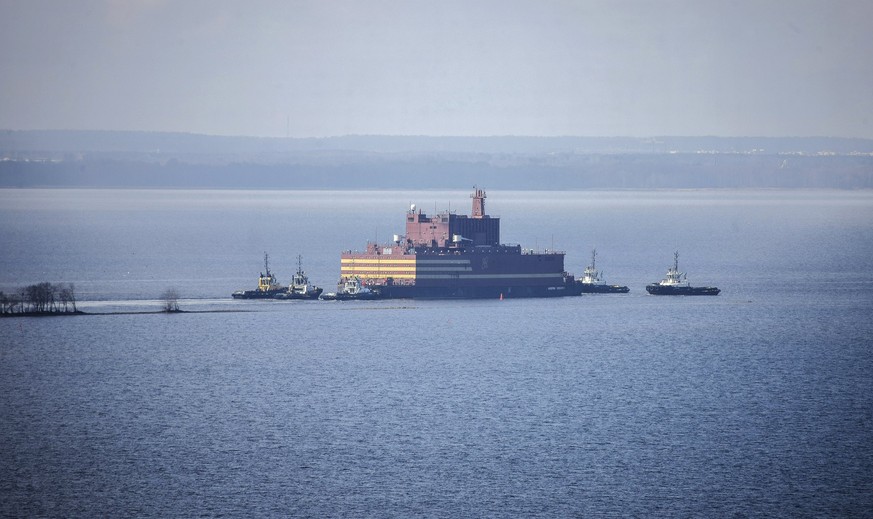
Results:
753 403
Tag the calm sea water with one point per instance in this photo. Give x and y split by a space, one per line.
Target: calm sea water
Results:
755 402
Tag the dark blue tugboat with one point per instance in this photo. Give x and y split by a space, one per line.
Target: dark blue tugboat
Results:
351 289
268 285
674 285
300 287
592 284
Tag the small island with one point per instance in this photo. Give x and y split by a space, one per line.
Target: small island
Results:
40 299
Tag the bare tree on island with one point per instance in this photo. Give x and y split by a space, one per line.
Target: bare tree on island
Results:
7 303
40 299
171 300
64 298
68 296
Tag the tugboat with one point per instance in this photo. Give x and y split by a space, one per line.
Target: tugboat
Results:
592 284
352 289
300 288
268 285
673 285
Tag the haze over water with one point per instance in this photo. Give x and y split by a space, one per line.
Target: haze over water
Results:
755 402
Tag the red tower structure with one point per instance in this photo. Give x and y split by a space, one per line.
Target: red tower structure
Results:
478 197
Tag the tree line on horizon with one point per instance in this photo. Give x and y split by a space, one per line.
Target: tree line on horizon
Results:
449 170
40 298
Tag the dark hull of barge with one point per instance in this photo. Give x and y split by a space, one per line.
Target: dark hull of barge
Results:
474 292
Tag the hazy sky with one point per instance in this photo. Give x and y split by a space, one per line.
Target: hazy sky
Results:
446 67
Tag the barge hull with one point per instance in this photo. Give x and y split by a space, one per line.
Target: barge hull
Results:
474 292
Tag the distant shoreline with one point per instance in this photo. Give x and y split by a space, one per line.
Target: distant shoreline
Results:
542 172
77 159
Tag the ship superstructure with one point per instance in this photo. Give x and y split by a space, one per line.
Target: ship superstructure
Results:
457 256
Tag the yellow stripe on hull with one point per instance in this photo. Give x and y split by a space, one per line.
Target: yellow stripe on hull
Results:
404 269
377 267
353 261
426 269
409 261
370 275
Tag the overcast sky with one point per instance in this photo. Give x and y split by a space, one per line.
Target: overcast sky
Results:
448 67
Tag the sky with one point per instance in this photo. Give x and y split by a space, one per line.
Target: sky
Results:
317 68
